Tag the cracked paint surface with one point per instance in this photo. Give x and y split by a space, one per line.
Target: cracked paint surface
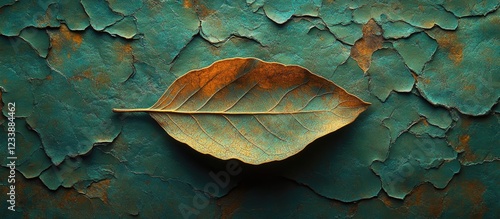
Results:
426 147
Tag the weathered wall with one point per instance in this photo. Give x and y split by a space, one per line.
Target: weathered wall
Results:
428 146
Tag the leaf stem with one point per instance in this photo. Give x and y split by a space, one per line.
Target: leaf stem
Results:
131 110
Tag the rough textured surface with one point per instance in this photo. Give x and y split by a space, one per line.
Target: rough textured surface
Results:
427 147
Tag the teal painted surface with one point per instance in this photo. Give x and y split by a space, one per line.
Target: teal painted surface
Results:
426 147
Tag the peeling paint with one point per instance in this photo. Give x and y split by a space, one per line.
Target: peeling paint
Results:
388 73
477 89
416 50
476 139
426 148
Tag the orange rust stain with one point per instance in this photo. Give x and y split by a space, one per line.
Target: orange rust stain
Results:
419 197
426 80
123 50
436 208
214 50
71 198
463 146
353 210
470 191
75 37
416 197
463 142
466 122
87 74
449 41
230 203
388 201
63 38
425 122
415 76
99 190
474 191
470 87
187 4
363 48
202 10
102 80
49 77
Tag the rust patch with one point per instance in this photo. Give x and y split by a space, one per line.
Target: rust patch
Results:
466 122
470 191
60 39
230 203
424 121
45 19
426 80
187 4
353 210
99 80
470 87
201 9
419 197
414 75
448 40
87 74
123 50
363 48
388 201
75 37
99 190
71 198
102 80
463 146
463 142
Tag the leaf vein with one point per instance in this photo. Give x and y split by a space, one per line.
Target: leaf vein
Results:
206 133
238 100
194 93
225 86
286 93
164 99
269 130
302 123
242 135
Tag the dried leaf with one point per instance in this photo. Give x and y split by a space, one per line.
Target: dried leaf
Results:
252 110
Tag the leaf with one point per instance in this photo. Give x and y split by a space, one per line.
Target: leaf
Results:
252 110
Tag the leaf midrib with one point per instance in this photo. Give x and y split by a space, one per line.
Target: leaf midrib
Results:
149 110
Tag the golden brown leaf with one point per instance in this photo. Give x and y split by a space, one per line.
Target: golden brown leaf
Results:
252 110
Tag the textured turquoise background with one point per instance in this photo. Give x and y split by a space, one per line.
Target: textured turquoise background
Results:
428 146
